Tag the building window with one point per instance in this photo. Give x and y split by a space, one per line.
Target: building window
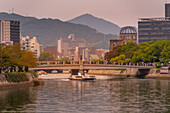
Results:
134 37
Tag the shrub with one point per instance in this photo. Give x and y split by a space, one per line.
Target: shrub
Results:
34 73
165 64
157 66
16 77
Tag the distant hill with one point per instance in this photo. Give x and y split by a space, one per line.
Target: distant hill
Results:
99 24
49 30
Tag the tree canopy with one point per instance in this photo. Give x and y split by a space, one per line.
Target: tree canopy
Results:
45 56
13 56
64 59
153 51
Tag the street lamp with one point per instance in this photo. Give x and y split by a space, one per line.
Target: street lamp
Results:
154 58
160 59
142 60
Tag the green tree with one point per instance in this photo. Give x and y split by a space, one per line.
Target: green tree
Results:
4 56
98 60
64 59
13 56
45 56
116 52
129 49
120 59
145 52
28 60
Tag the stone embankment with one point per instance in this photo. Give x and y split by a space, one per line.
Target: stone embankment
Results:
29 80
152 73
106 72
155 73
118 73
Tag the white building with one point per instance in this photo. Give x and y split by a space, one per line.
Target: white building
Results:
67 45
31 44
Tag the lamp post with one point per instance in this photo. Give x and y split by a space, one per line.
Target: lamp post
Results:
142 60
160 59
154 58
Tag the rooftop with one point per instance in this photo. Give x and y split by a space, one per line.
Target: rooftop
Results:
155 19
128 30
76 39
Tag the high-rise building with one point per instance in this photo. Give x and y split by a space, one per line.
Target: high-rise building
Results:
31 44
67 44
83 53
153 29
167 10
9 31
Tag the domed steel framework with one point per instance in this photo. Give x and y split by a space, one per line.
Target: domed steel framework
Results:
127 33
128 30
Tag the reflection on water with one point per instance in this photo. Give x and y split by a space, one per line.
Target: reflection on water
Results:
128 95
17 99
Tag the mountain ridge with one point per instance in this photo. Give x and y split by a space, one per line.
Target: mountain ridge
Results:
99 24
48 30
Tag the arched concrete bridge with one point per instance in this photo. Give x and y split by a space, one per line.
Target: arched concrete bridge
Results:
75 67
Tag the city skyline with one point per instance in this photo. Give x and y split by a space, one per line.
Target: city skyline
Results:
120 12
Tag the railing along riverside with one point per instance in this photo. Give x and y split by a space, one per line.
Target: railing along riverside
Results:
53 63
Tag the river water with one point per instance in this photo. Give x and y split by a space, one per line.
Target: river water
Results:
100 96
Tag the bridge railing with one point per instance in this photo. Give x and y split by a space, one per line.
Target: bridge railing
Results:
55 63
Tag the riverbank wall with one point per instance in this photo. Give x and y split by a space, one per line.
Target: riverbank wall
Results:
129 72
151 73
108 72
8 82
156 74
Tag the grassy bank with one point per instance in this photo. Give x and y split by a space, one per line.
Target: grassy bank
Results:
17 76
19 80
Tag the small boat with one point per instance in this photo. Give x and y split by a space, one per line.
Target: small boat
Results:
42 73
82 77
54 72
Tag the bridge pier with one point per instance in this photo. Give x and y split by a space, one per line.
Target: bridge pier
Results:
137 72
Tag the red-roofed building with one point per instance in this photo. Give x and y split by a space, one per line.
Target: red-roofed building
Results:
52 49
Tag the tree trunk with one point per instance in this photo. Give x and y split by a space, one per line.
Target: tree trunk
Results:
20 69
15 69
11 69
26 69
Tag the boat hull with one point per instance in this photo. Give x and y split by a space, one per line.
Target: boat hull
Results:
82 79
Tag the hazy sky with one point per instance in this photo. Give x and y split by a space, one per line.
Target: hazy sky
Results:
120 12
